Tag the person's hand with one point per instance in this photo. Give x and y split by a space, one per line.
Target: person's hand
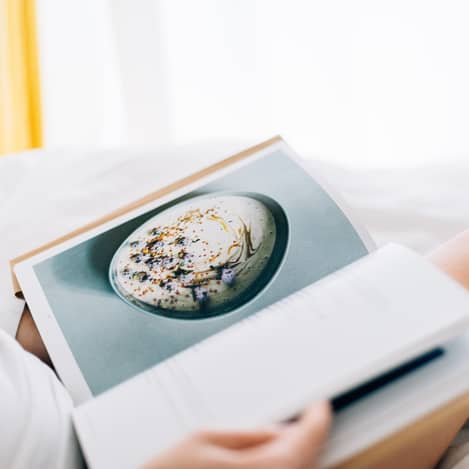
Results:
28 336
453 258
295 445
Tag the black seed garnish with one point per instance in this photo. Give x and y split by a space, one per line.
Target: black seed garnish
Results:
136 258
141 276
155 245
181 240
126 273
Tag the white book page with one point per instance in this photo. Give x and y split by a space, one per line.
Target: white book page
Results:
83 325
373 315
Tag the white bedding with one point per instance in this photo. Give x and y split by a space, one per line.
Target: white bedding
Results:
44 194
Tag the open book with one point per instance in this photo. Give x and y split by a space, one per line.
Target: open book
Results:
231 298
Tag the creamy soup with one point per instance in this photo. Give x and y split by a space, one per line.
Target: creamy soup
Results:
197 256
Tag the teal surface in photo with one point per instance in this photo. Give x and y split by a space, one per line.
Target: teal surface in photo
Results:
113 341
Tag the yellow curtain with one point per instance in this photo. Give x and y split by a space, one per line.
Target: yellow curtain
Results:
20 107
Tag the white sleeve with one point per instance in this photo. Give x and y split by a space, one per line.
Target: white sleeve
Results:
35 411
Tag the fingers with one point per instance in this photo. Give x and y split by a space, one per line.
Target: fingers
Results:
314 424
296 446
238 440
293 446
306 437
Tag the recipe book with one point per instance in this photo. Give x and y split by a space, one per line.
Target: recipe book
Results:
230 298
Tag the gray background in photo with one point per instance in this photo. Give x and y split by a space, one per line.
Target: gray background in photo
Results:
113 341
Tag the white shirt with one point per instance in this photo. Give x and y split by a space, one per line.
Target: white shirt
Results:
35 413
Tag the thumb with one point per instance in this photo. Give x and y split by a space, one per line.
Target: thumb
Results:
311 430
239 439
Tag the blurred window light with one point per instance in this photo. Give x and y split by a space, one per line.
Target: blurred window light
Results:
360 83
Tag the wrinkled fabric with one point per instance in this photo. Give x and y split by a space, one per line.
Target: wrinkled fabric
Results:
35 413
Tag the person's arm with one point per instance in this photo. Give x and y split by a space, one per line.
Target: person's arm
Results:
453 258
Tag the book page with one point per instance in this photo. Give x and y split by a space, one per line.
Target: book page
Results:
128 294
317 343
